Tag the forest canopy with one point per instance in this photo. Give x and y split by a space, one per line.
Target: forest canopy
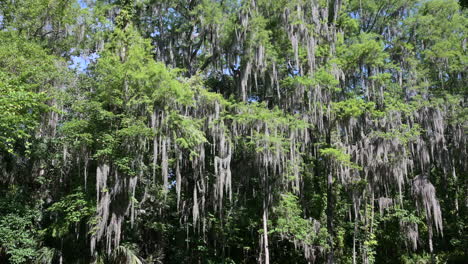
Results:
233 131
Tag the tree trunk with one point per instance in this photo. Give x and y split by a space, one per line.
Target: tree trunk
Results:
265 233
330 226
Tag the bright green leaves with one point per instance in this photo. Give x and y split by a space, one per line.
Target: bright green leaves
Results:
18 227
170 90
321 78
365 49
298 80
133 129
381 85
132 86
68 212
441 29
271 126
210 13
49 21
17 237
77 133
121 68
289 221
26 75
349 24
352 108
187 132
340 156
27 61
325 79
130 77
404 133
258 27
259 113
21 110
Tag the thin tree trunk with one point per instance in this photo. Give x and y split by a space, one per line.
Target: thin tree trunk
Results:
330 226
330 204
265 233
354 240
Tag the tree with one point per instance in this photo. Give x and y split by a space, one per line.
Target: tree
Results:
210 131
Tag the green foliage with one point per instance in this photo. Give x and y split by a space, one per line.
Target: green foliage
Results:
68 212
50 21
25 79
196 119
404 133
19 229
340 156
189 134
46 255
21 110
416 259
289 221
353 108
364 49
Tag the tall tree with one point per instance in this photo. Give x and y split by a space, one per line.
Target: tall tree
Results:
226 131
